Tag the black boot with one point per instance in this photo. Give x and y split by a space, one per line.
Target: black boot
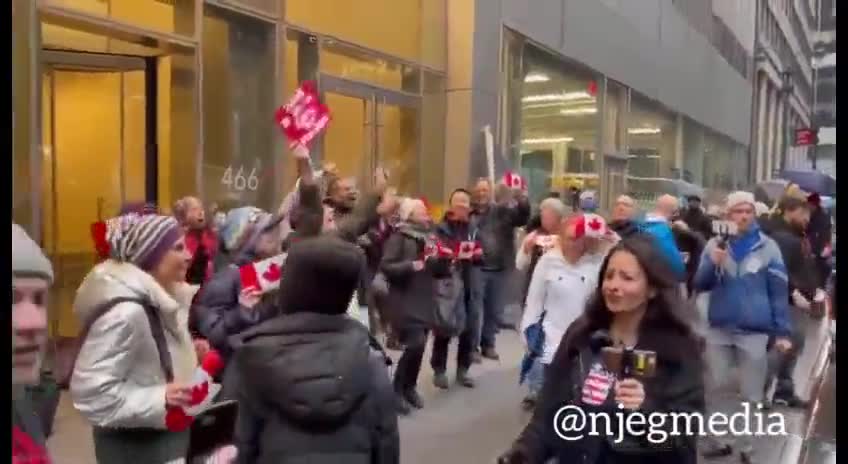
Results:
463 379
413 398
440 380
401 405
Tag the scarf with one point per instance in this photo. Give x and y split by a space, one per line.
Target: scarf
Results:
741 245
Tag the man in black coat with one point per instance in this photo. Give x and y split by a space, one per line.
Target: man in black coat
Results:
696 219
788 231
312 387
496 220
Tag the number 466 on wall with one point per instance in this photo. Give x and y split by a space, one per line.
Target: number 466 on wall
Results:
238 181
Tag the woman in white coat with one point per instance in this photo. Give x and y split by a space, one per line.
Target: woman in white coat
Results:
562 282
137 358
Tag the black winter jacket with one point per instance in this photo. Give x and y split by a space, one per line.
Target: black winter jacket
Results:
677 387
411 293
312 390
797 256
496 229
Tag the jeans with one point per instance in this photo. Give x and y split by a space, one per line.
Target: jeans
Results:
536 377
409 364
782 365
746 352
488 289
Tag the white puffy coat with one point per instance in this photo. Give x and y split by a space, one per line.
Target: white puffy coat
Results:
118 380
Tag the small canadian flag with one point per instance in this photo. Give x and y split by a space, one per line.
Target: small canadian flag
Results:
203 392
513 180
263 275
469 249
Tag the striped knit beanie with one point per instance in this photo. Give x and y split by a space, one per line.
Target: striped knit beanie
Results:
143 240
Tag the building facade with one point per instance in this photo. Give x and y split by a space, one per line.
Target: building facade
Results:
150 100
784 83
643 97
823 156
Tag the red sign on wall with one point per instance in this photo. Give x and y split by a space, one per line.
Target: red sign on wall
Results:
806 136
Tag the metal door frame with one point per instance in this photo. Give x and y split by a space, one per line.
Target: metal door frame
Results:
373 98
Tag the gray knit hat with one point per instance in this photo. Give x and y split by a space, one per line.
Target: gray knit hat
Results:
27 258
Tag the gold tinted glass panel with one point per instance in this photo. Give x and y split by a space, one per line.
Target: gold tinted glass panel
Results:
350 63
85 159
347 142
94 161
365 22
172 16
397 136
134 136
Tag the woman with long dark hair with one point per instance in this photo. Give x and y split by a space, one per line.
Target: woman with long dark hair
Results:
637 306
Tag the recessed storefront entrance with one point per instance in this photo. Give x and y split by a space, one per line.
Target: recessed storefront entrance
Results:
372 128
97 152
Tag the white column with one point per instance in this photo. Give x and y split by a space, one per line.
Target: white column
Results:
759 146
772 133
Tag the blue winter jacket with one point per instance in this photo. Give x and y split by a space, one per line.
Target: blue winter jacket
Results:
747 296
663 236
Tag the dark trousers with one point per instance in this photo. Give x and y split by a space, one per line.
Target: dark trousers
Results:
409 364
782 365
489 286
439 357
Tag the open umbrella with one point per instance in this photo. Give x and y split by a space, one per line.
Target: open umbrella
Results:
811 181
770 191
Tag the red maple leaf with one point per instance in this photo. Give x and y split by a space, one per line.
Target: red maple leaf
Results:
273 273
199 393
595 224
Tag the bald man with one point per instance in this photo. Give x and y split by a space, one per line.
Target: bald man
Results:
666 206
658 224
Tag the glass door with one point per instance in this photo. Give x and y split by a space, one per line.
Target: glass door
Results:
370 128
94 158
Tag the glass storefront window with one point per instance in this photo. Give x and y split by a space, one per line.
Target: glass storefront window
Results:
693 152
411 29
558 123
719 155
175 16
652 139
239 99
177 123
351 63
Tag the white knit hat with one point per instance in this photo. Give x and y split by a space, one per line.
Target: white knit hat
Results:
739 197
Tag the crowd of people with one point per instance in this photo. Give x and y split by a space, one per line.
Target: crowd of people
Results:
306 362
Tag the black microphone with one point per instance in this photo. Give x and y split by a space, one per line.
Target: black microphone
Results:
599 340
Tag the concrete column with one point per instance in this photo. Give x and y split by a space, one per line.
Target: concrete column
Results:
772 131
760 145
678 144
780 139
460 18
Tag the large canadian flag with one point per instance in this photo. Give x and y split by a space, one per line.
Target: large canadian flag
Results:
263 275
